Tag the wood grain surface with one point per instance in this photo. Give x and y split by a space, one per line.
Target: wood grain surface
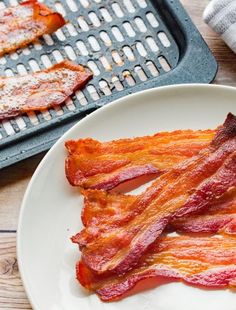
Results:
14 180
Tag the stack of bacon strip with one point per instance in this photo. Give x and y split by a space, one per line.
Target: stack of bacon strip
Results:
24 23
124 237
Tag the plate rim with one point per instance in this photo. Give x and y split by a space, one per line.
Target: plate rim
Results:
92 115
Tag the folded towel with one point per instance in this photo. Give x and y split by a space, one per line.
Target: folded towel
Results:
220 15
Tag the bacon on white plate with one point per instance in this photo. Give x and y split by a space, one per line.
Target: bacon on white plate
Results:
105 212
96 165
220 218
24 23
41 90
208 262
191 186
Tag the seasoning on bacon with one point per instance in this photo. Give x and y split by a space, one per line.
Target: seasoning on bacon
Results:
24 23
96 165
204 262
41 90
190 186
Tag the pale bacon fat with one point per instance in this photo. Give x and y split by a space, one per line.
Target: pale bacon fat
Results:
41 90
24 23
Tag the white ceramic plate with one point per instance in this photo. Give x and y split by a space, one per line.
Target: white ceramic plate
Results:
50 212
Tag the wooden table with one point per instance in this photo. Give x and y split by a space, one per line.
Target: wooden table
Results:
14 180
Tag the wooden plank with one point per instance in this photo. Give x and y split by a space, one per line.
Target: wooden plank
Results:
13 183
12 295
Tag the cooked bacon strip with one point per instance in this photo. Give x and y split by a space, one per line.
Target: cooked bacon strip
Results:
41 90
23 24
205 262
219 218
189 187
96 165
105 212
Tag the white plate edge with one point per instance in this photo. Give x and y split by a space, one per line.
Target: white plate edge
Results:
67 133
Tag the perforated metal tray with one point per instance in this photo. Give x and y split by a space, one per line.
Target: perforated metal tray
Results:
130 45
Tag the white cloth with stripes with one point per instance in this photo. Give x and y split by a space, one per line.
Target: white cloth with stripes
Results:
220 15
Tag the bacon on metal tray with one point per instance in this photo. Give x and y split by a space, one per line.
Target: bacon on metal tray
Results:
41 90
24 23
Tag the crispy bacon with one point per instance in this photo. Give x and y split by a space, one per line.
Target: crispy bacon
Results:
220 218
41 90
96 165
205 262
191 186
105 212
23 24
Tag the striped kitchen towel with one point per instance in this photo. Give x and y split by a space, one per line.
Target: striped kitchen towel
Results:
220 15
